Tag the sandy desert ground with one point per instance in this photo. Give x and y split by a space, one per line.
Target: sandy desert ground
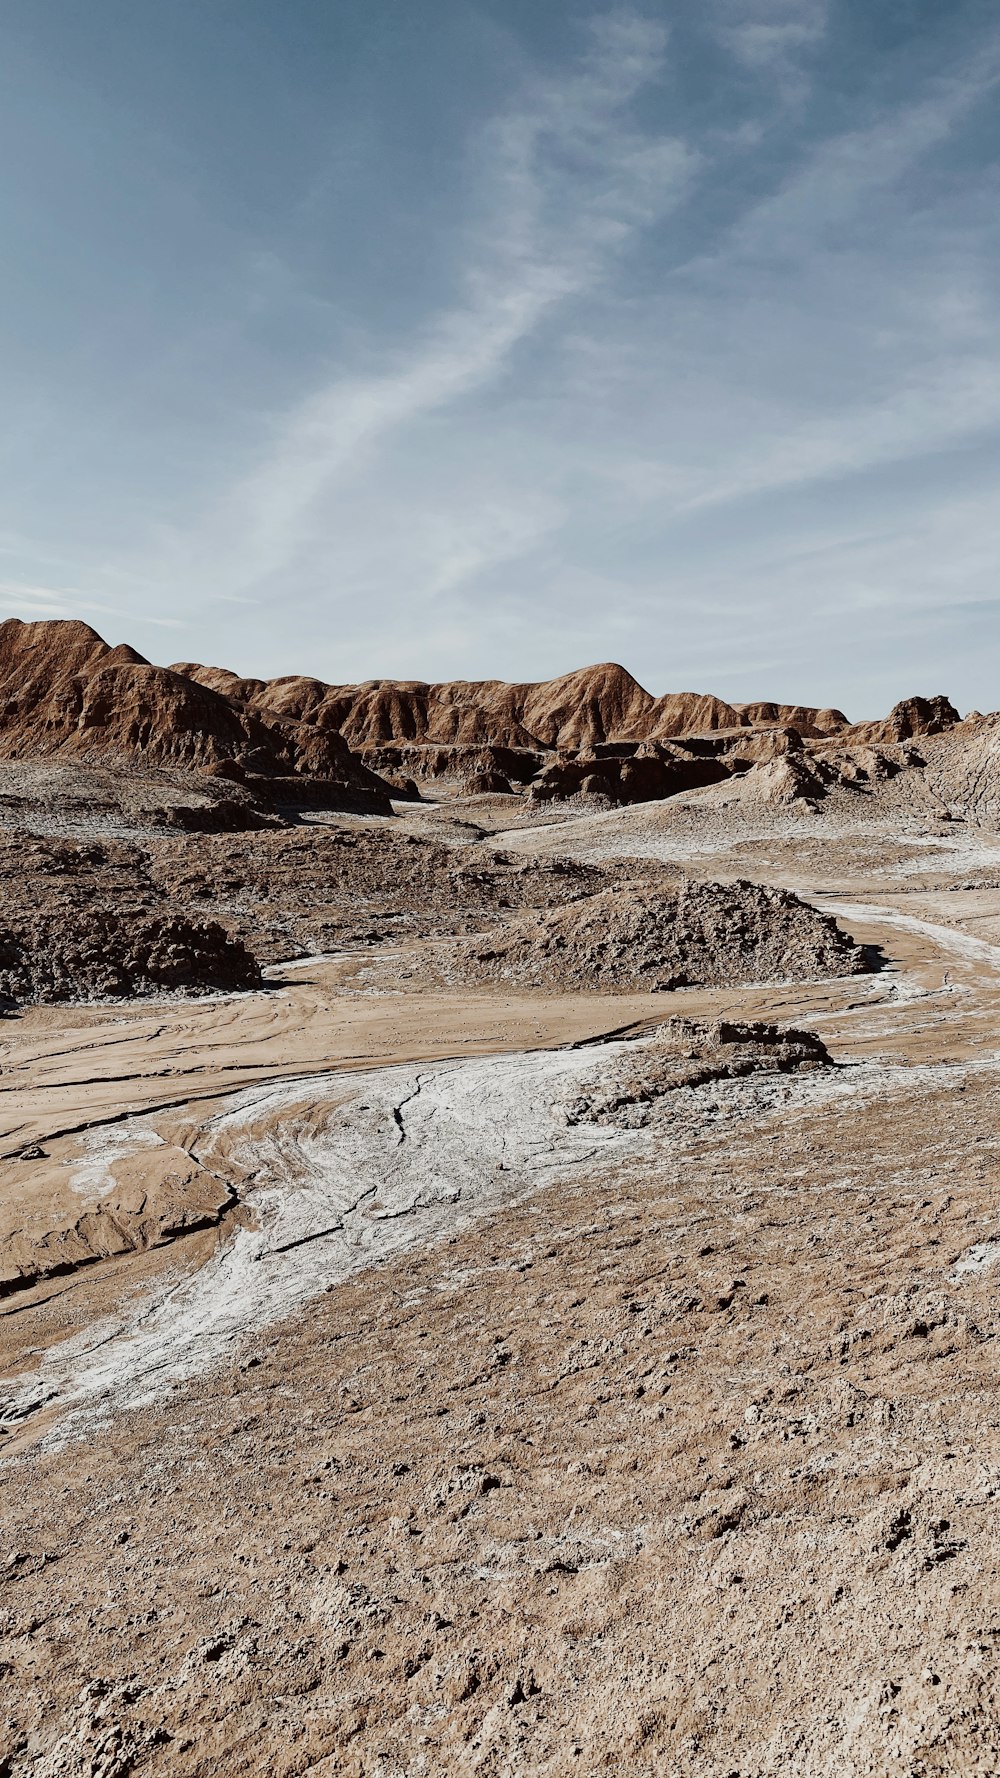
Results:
498 1275
442 1430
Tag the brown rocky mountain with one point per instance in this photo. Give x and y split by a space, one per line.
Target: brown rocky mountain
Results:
908 719
594 706
64 692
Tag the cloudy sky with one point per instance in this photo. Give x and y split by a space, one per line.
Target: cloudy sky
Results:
492 338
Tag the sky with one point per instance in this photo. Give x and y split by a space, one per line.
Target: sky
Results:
490 338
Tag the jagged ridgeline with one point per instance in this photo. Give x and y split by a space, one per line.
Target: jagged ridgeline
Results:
595 733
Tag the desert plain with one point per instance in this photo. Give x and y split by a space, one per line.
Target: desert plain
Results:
499 1241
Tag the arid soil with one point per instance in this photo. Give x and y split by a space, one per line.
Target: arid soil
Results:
433 1339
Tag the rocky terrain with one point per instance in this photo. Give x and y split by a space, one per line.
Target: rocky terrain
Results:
104 956
633 935
298 743
64 692
686 1053
497 1271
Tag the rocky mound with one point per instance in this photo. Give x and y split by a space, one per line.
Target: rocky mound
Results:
85 920
908 719
689 1053
802 717
783 782
638 937
59 796
105 956
652 770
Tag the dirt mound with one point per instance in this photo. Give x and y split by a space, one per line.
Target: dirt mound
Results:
785 782
59 796
105 956
488 784
641 937
956 773
320 889
690 1053
792 781
86 920
64 690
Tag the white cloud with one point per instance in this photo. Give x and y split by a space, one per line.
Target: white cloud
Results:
566 182
26 600
712 447
768 37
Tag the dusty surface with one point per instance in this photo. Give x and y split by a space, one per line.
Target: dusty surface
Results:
402 1377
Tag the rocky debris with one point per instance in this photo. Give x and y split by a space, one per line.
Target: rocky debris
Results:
635 936
55 796
320 889
688 1053
104 907
104 955
87 920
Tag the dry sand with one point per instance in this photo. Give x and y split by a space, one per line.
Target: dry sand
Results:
460 1437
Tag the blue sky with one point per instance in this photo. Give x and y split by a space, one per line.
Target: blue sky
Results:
364 338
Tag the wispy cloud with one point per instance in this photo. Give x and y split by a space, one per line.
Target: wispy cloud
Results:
22 599
565 182
768 37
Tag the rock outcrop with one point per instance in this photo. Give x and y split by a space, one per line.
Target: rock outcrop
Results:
906 720
597 732
577 711
105 956
652 770
687 1053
